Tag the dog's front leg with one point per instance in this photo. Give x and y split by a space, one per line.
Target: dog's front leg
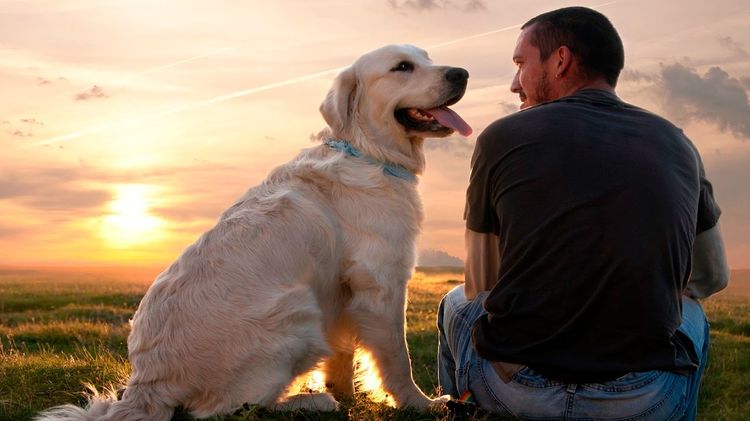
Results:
379 315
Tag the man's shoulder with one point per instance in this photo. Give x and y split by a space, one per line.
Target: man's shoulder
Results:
502 124
539 114
525 122
572 111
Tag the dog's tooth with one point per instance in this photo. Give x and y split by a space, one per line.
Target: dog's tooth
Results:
417 114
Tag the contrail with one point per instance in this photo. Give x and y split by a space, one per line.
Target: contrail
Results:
157 114
244 92
237 94
176 63
483 34
496 31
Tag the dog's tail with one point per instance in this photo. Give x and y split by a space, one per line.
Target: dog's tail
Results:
136 405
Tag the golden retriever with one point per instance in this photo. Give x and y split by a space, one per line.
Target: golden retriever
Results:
305 267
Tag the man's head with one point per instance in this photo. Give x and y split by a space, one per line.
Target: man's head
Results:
564 50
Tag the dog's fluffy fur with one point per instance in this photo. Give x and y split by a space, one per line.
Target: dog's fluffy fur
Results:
302 268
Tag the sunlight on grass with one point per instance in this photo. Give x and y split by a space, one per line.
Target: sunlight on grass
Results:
30 382
368 378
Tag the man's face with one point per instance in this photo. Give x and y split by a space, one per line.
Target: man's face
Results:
531 82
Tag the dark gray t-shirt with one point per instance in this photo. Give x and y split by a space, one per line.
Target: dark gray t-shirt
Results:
596 204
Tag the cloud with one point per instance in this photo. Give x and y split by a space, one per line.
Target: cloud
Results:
734 47
7 231
32 122
632 75
729 174
29 122
42 81
461 146
19 133
421 5
208 208
507 108
201 191
715 97
474 6
93 93
51 189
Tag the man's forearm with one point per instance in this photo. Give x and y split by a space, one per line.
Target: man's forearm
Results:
482 262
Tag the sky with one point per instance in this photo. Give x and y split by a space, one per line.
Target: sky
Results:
127 127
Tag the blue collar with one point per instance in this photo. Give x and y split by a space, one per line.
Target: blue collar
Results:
394 170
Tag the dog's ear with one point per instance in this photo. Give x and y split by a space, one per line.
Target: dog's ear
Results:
340 103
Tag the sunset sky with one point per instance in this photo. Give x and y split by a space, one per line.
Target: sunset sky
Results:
127 127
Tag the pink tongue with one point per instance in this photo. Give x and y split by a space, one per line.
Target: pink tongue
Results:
449 118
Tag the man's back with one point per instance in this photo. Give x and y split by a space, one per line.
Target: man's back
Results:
595 203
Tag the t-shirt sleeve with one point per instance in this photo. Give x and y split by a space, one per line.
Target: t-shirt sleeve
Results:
708 209
480 213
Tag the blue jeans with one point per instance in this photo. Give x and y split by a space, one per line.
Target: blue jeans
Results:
650 395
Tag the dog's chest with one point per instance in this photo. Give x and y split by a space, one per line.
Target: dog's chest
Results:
386 213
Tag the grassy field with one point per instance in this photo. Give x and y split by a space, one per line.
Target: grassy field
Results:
62 328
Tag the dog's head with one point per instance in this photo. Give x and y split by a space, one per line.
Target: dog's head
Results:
395 94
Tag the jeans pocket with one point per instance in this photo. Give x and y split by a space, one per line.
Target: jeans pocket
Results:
648 395
530 378
628 382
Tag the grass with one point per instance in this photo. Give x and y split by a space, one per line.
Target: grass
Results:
61 329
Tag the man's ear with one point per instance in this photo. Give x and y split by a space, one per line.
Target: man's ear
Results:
340 103
564 59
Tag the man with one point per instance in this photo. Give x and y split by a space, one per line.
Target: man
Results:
584 216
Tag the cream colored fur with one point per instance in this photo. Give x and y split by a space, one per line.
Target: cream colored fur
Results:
302 268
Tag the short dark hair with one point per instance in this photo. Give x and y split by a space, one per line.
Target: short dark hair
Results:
588 34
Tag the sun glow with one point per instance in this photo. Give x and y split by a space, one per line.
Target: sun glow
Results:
129 222
366 379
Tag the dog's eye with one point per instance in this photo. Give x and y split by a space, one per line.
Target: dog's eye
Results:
404 66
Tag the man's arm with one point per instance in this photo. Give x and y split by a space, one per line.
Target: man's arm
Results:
710 272
482 262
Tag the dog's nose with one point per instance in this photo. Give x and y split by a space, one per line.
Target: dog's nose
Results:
456 75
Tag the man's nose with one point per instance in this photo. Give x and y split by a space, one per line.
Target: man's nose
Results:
515 86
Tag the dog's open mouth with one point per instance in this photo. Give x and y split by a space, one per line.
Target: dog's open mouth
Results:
440 119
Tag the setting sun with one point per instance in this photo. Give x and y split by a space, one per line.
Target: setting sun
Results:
129 222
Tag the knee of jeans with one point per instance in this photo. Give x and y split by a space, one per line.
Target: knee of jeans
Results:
447 307
453 296
458 290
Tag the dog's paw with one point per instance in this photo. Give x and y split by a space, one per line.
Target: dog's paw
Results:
323 402
327 403
423 403
438 404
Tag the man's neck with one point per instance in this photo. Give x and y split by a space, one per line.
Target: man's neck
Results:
601 84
